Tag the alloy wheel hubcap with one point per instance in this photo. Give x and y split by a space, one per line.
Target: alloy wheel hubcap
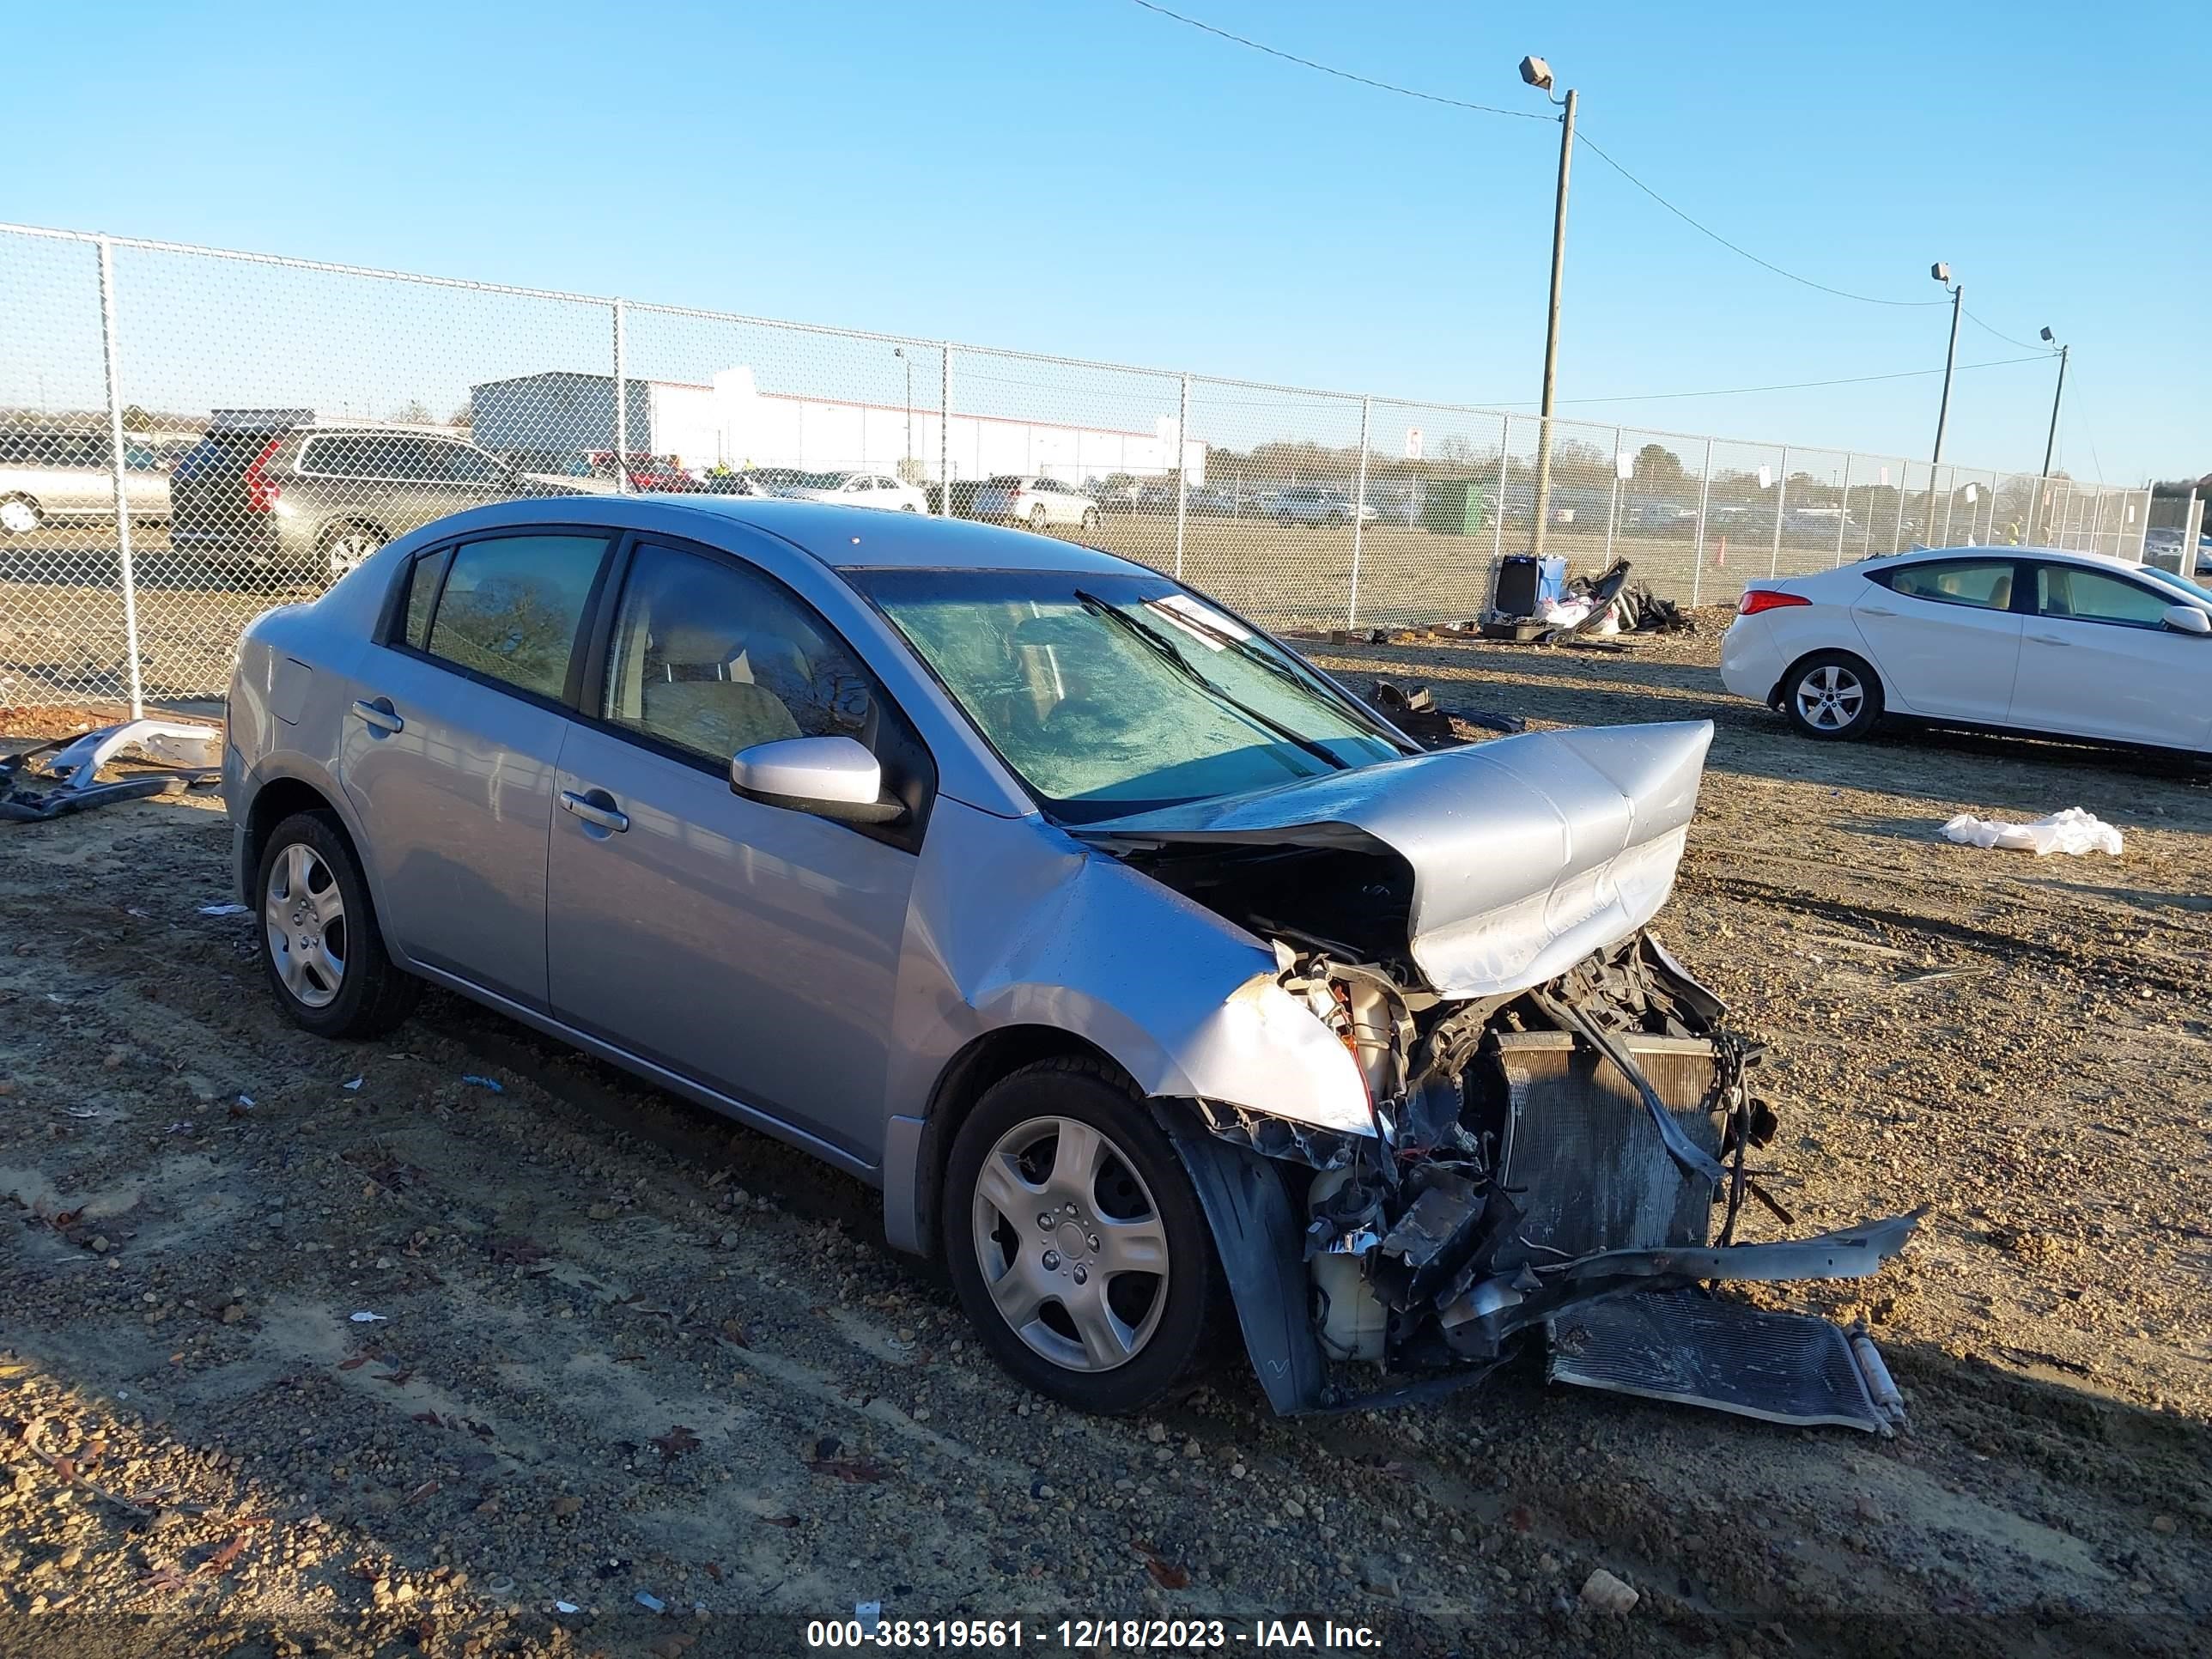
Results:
348 550
18 517
303 915
1830 697
1073 1252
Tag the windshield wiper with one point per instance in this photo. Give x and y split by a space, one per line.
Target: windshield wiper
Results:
1164 649
1245 651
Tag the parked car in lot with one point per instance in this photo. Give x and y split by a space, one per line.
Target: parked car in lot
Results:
2165 543
62 475
1038 503
1002 874
858 488
644 473
308 502
2029 640
1316 504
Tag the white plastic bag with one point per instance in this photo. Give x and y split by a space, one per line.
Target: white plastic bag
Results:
2070 831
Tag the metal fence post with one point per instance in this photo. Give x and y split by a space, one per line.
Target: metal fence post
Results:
1497 506
1897 529
1358 513
1843 509
1780 498
945 431
1183 483
1612 500
125 573
622 404
2192 526
1704 500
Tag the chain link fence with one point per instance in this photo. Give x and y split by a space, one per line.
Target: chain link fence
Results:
188 436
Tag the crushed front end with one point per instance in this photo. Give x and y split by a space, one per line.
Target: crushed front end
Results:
1558 1121
1569 1163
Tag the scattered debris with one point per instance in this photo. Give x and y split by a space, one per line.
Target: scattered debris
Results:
2072 831
192 753
367 1318
1412 711
353 1085
651 1602
867 1612
222 909
566 1607
492 1084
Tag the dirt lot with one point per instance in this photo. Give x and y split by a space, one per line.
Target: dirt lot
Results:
623 1349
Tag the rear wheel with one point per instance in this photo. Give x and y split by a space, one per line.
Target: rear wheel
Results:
1075 1240
343 547
1039 519
1832 695
320 945
1090 520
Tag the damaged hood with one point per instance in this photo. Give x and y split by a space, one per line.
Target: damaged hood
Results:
1527 853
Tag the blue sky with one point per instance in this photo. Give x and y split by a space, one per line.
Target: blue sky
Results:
1081 176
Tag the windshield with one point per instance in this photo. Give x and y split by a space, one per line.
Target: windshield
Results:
2202 595
1111 694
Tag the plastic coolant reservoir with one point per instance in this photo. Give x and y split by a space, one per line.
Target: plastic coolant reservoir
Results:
1353 1319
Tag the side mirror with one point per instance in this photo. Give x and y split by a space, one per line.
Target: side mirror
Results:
832 778
2187 619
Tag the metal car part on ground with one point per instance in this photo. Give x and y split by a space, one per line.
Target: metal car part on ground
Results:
192 752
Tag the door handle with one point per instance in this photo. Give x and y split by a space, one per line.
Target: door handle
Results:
1876 611
2049 639
378 715
607 818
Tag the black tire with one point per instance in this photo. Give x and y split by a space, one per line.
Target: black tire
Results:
1090 520
1194 1305
1040 520
374 994
1832 696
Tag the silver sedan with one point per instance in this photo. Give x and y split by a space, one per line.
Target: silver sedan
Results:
1160 985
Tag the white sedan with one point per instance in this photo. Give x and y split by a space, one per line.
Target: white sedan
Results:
2029 640
857 489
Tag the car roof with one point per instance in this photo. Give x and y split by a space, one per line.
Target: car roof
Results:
842 538
2103 560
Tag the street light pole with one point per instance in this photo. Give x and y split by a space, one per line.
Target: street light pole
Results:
899 352
1942 273
2050 444
1537 74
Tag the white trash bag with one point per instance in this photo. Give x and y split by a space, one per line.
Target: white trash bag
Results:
2070 831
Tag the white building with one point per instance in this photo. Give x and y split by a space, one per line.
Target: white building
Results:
731 423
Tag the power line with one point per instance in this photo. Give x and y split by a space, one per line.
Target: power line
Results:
1705 230
1342 74
1492 109
1793 385
2025 345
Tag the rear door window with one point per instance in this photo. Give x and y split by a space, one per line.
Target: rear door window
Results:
1983 584
511 608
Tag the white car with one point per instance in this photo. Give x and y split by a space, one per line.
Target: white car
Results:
857 489
2028 639
1316 504
1038 503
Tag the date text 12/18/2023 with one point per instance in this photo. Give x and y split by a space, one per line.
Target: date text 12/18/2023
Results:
1089 1634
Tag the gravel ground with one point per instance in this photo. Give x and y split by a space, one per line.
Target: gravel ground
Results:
623 1349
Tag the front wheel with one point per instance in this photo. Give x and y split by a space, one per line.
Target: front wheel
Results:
1832 695
1090 520
19 515
1039 519
1076 1241
320 945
